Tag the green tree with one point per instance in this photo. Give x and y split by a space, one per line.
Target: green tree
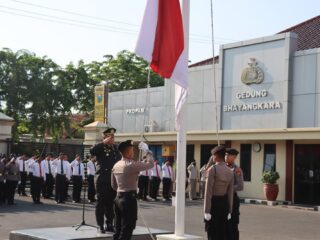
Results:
41 96
128 71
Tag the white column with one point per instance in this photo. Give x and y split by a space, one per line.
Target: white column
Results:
179 229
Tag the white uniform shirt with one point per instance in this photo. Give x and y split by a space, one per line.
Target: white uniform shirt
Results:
65 165
156 171
167 171
145 173
75 168
21 163
29 162
91 168
38 169
49 167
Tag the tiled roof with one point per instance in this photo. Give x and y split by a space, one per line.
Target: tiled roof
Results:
205 62
308 33
308 37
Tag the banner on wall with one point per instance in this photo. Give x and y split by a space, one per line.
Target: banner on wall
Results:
99 103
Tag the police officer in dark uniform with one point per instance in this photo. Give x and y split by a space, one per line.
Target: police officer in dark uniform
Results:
218 199
12 179
124 181
107 155
2 179
233 231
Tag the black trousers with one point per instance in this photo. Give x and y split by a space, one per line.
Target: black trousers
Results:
217 227
2 192
154 187
10 188
48 186
77 186
60 187
126 210
166 187
143 187
36 186
104 204
233 230
66 190
91 188
22 185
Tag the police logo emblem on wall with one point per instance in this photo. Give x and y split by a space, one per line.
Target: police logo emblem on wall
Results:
252 74
99 98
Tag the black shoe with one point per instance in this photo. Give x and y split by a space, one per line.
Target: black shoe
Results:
110 228
102 230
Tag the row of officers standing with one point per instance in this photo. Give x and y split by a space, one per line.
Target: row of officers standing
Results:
117 183
46 174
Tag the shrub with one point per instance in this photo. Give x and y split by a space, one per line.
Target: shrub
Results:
270 177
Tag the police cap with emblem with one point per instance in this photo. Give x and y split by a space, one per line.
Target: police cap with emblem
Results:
232 151
218 149
109 131
124 145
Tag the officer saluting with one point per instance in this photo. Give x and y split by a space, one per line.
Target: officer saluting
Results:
218 196
12 179
107 155
233 231
124 181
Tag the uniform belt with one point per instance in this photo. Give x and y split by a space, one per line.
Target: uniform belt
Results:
61 174
125 194
220 197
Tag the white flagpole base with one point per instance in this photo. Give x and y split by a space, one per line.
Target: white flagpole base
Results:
173 236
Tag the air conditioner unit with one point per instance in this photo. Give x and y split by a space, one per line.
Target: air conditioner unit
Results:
148 128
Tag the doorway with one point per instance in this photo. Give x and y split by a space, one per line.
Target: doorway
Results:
307 174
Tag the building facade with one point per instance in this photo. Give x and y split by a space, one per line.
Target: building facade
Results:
6 124
266 104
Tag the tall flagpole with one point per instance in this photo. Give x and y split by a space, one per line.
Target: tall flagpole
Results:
181 141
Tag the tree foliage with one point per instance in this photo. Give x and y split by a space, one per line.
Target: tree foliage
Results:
41 96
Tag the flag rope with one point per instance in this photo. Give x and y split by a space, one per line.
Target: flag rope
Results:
142 137
214 76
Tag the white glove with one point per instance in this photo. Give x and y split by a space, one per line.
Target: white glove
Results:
144 147
229 216
19 182
207 216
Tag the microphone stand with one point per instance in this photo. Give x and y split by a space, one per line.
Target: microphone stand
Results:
83 223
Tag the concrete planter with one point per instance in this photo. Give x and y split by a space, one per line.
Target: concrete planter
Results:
271 191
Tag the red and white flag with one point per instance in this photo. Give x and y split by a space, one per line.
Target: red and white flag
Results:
161 43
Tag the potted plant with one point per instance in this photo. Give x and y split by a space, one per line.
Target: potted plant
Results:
271 188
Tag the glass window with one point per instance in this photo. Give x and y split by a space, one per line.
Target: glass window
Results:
245 161
269 163
157 152
205 153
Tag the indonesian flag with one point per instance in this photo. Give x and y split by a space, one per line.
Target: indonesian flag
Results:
161 43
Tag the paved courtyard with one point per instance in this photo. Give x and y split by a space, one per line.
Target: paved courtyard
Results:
257 222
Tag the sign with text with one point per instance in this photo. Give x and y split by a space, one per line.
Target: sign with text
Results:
99 103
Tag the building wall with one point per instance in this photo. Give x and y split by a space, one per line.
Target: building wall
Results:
290 78
128 111
305 90
272 55
5 133
254 188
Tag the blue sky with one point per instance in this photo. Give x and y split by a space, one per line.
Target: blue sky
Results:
88 29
